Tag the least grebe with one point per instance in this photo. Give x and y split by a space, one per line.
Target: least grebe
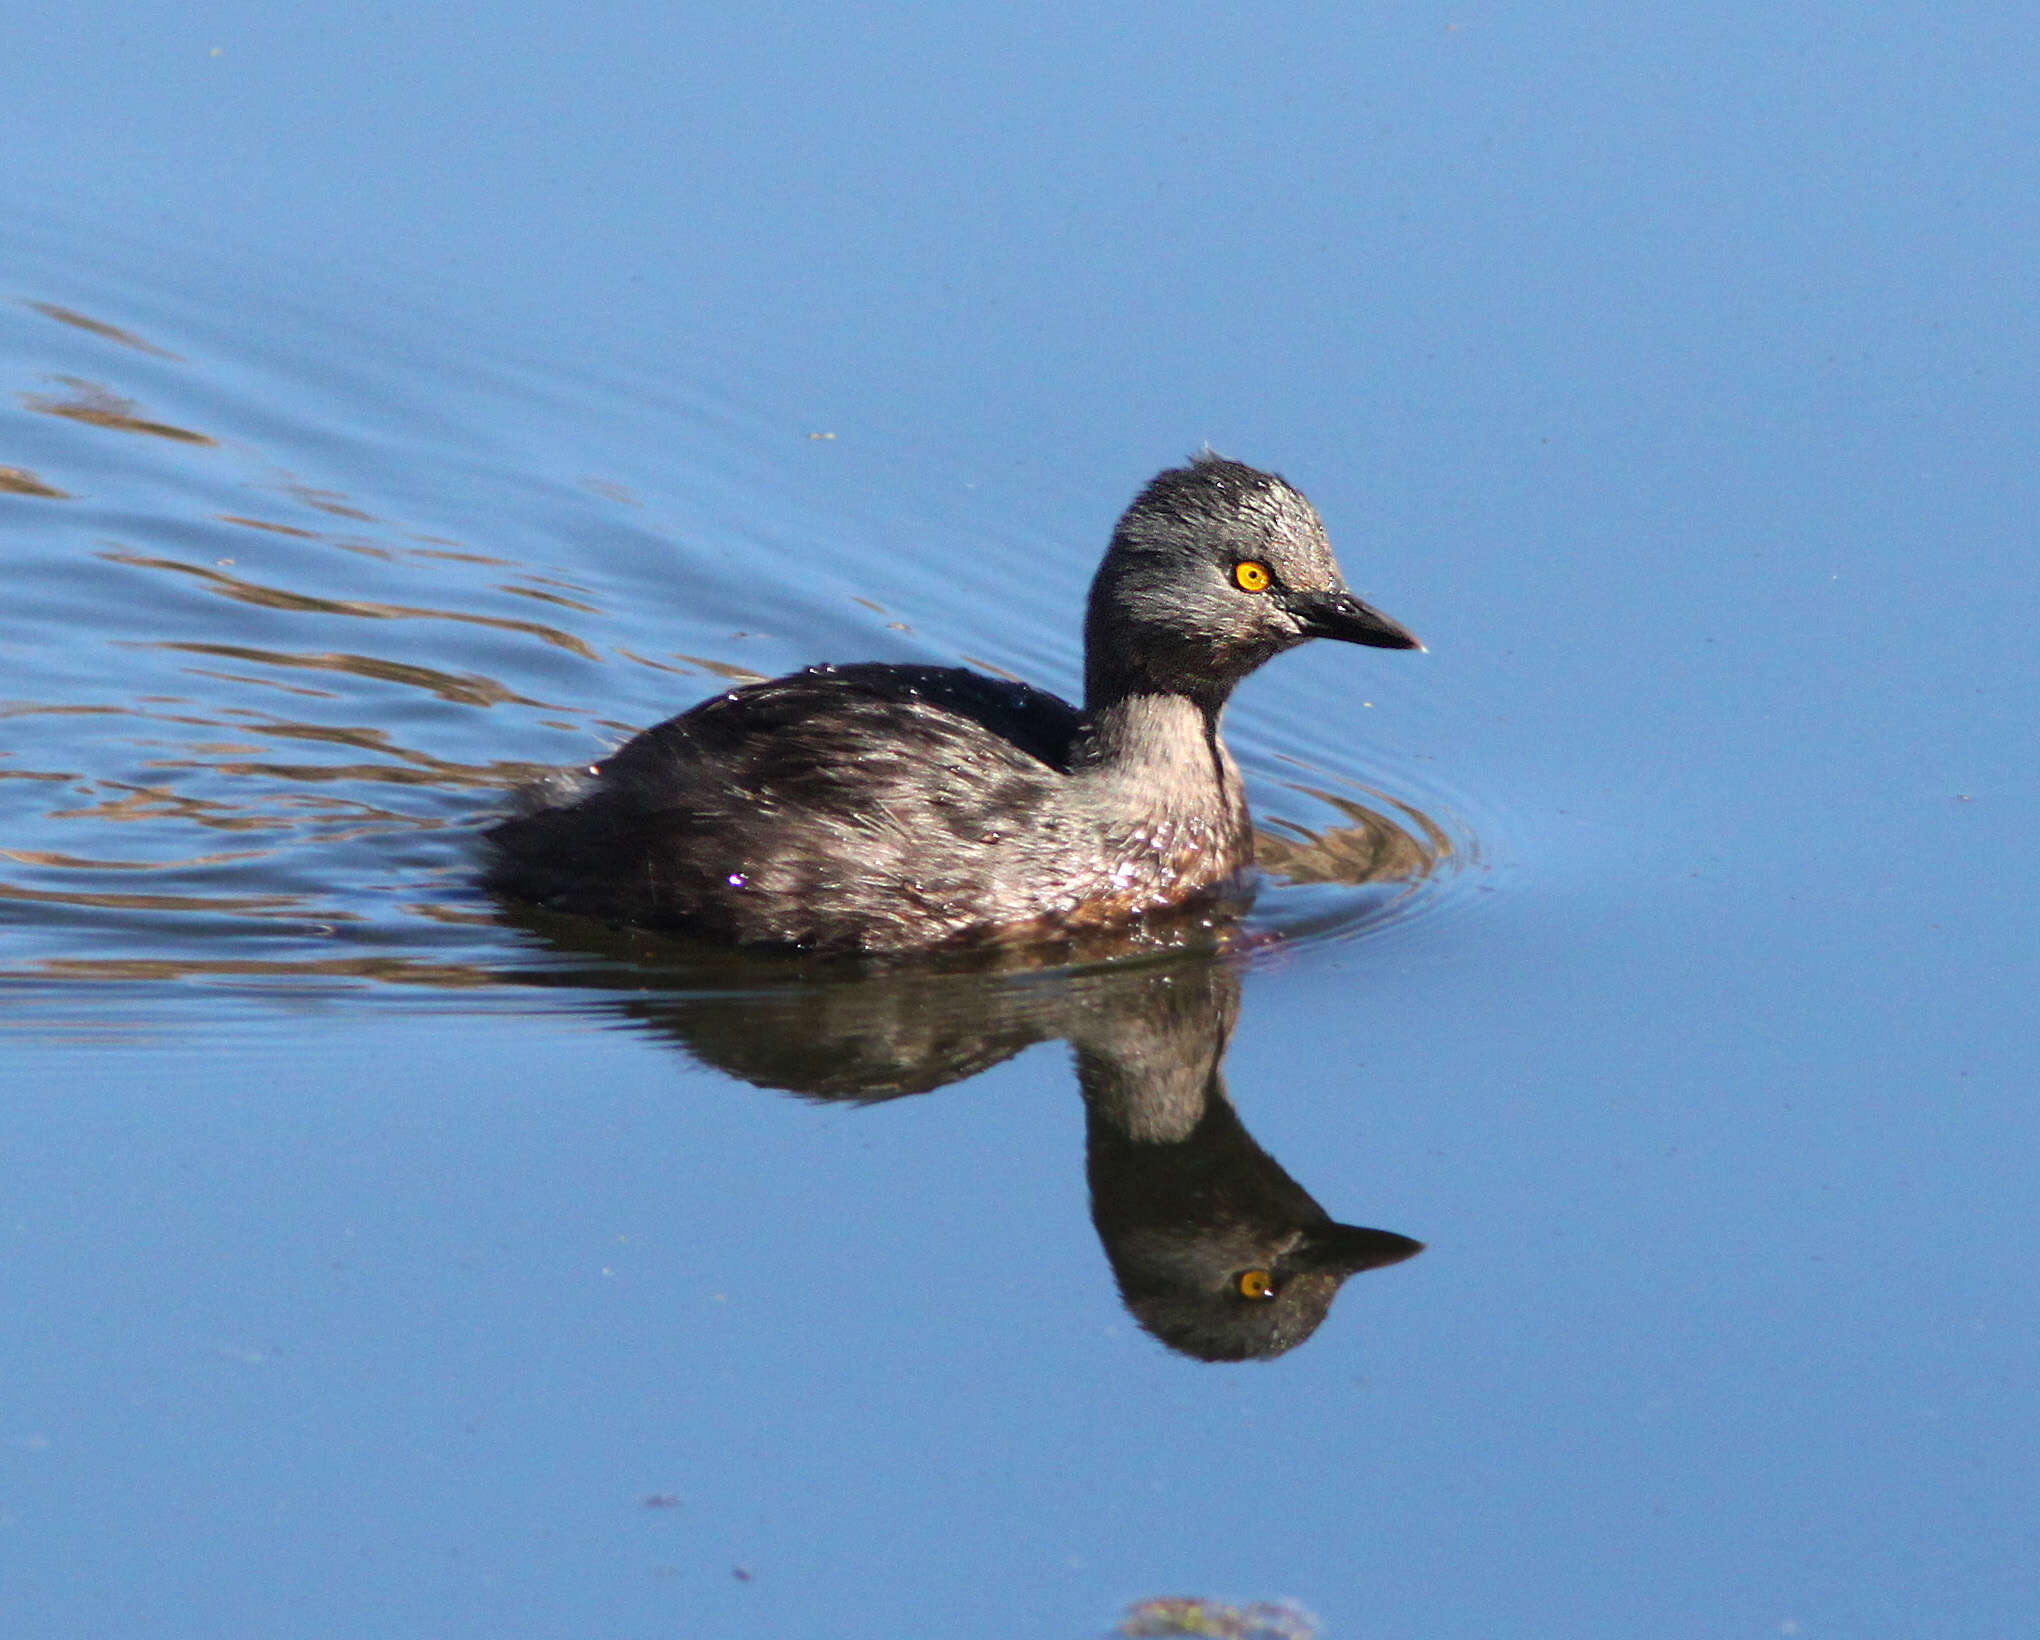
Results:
895 808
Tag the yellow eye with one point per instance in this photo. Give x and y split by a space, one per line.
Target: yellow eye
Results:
1250 576
1255 1283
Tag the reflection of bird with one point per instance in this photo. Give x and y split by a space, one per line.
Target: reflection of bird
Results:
888 808
1219 1253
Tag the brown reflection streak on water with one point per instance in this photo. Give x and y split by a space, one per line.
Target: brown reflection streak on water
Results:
151 802
550 598
75 862
31 708
462 689
646 660
445 553
266 597
155 803
488 777
301 691
245 904
390 970
452 916
20 481
721 669
436 549
291 808
422 767
328 501
264 524
101 329
98 406
1376 848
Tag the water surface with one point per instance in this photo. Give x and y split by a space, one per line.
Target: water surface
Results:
391 412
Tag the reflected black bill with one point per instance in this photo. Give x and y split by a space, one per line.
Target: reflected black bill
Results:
1345 1249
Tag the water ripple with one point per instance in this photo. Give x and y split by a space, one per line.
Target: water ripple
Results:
243 609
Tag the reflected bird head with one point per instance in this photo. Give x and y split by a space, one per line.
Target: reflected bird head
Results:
1218 1252
1237 1292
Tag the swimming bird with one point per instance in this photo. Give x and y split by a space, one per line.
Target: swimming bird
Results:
896 808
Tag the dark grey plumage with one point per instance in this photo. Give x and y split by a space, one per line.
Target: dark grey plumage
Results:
892 808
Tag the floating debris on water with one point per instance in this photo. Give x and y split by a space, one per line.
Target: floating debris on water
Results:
1215 1620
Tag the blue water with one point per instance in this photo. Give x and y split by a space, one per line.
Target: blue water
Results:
395 407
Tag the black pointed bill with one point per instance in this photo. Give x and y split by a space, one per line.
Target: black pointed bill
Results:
1343 616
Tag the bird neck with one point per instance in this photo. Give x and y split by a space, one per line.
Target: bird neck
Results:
1113 681
1162 761
1156 732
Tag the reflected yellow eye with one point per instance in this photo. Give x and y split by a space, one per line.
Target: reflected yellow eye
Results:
1255 1283
1250 576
